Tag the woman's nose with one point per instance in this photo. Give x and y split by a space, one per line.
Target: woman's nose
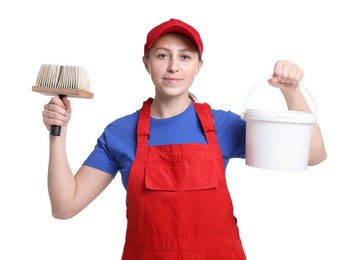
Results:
173 65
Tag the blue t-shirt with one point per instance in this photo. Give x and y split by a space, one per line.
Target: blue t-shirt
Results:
116 147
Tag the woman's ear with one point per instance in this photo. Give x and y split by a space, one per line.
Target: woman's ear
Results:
145 62
199 67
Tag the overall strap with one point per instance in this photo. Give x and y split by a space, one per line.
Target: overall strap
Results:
143 126
203 111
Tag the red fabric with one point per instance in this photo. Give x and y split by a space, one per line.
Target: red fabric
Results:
178 204
173 25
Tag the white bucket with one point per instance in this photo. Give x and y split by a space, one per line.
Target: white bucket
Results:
278 139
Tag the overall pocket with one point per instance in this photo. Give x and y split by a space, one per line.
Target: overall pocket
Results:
180 175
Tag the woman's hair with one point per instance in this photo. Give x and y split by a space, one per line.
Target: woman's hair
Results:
192 97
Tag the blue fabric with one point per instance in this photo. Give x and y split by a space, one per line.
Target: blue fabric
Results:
115 148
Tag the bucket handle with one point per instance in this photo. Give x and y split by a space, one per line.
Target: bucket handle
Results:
258 84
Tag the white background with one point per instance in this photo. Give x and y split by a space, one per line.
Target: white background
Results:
282 216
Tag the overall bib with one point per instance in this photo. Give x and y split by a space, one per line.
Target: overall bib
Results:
178 204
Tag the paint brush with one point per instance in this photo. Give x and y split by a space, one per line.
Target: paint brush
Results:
61 81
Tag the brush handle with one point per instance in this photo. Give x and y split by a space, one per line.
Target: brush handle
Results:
55 129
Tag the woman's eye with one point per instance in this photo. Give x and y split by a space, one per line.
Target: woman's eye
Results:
162 55
186 57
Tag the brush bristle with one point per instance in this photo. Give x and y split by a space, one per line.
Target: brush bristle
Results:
58 76
72 81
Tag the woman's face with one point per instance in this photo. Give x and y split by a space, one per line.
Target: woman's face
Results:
173 63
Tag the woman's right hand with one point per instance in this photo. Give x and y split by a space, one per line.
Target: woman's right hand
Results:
56 112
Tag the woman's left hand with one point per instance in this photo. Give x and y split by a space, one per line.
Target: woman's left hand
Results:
286 76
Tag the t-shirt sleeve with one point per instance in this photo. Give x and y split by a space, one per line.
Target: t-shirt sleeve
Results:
231 131
100 158
115 149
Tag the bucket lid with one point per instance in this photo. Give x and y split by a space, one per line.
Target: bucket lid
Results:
289 116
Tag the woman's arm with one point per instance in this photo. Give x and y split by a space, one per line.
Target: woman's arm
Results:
68 194
287 76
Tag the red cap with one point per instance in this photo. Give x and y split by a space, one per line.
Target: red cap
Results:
173 25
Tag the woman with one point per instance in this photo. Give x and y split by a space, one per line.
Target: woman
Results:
172 155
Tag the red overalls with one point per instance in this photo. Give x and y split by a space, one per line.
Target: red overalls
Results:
178 204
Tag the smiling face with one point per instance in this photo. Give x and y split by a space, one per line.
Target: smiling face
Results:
173 62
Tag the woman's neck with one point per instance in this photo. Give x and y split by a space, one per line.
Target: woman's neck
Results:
168 108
